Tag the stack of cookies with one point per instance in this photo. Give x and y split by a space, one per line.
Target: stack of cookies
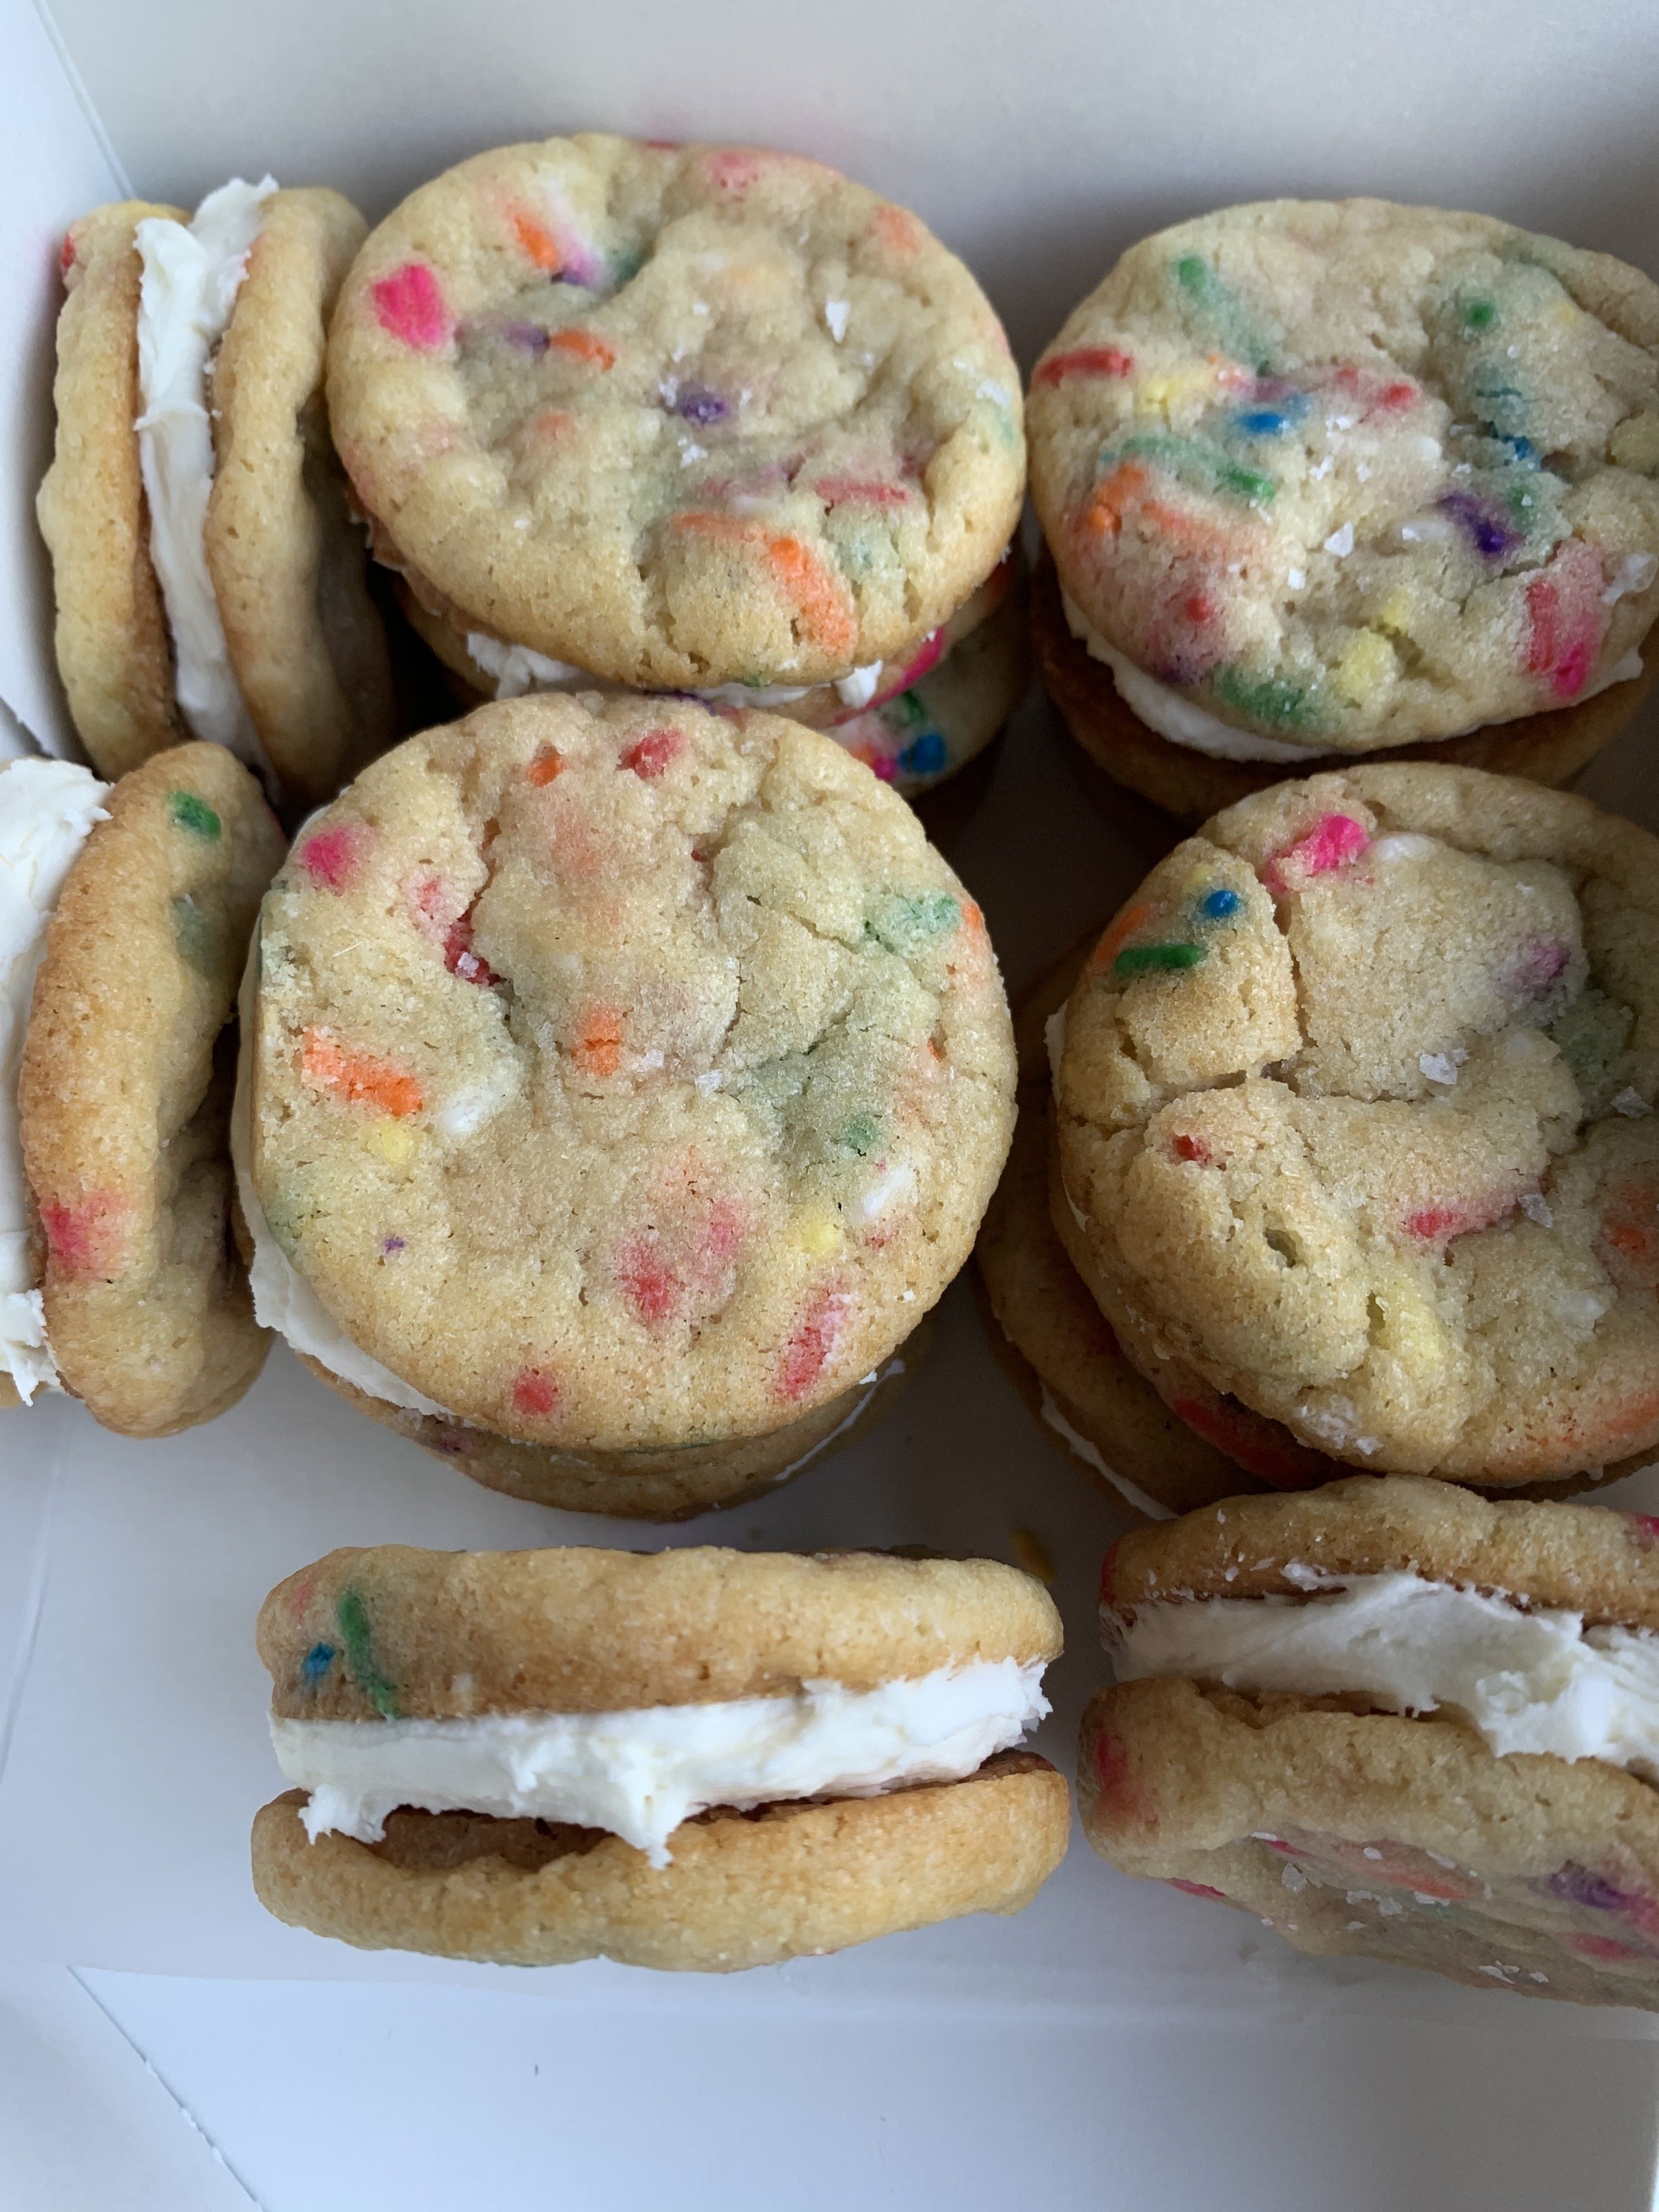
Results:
1321 480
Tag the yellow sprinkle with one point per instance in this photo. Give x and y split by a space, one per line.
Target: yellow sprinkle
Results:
1031 1553
819 1234
1396 613
393 1143
1364 668
1411 1329
1176 390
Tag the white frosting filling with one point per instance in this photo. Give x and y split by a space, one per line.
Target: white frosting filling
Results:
859 689
639 1774
1173 715
1529 1681
47 808
191 278
1091 1457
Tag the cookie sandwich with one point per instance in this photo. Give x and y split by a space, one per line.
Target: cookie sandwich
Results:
623 1083
124 917
700 419
1159 1456
1392 1718
209 577
1320 480
701 1759
1354 1120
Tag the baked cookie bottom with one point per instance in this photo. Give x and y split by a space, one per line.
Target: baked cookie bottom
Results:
743 1889
672 1484
1125 767
1362 1833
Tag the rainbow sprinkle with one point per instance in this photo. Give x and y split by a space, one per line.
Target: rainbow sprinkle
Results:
352 1615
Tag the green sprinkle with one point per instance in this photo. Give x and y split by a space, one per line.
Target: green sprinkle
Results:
194 814
1592 1034
1157 959
1247 483
1220 309
861 1134
353 1617
1479 315
1201 467
1267 698
902 924
199 939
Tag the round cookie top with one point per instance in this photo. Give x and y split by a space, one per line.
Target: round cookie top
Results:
125 1096
1355 1115
677 415
1579 1558
443 1634
1350 475
625 1076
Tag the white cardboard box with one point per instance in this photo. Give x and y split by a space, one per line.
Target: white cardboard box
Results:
1116 2039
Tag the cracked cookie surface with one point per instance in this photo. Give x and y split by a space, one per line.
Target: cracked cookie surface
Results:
625 1075
1350 475
1355 1113
679 416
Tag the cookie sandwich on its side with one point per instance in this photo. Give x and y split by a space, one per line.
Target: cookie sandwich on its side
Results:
702 419
209 579
623 1083
1322 480
124 920
1354 1113
1392 1718
699 1760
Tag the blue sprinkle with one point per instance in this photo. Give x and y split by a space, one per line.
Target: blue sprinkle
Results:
1522 451
1217 906
926 756
1264 423
317 1662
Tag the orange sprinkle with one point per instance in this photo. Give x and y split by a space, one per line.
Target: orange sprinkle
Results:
583 345
598 1050
1103 511
360 1076
1119 931
798 569
540 245
552 423
547 763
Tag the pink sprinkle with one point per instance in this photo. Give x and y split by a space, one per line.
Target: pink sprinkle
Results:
1457 1217
732 171
809 1349
534 1392
1190 1148
654 753
85 1240
1565 620
459 957
649 1285
1602 1946
411 307
1195 1888
330 858
1542 959
299 1596
1333 840
1644 1529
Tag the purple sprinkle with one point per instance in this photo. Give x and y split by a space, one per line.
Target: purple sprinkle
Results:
698 405
1487 531
528 337
1580 1887
389 1244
